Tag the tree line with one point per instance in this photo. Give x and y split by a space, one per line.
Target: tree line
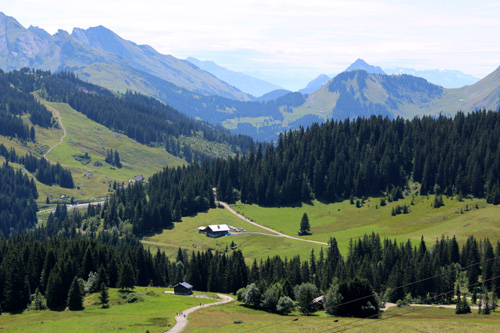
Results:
44 270
43 170
17 201
340 159
14 103
377 270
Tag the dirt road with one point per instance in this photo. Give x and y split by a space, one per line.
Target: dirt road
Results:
448 306
69 206
58 116
182 320
280 234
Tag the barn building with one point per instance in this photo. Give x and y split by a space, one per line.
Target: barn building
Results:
183 288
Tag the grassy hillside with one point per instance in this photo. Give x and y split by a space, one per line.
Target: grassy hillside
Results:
156 313
435 319
344 221
85 136
253 244
340 220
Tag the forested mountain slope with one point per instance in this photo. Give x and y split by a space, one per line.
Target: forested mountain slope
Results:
333 161
144 119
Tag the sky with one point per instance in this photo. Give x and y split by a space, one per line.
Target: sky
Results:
291 42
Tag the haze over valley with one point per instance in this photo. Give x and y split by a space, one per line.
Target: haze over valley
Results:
249 166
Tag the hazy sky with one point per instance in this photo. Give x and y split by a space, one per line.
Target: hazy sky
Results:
291 40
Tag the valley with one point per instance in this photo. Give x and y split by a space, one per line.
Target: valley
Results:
130 177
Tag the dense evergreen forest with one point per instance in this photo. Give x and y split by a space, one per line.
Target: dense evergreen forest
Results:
17 201
15 103
333 161
45 172
383 269
141 118
28 264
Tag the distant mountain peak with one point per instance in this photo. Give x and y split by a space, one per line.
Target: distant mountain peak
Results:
360 64
315 84
245 83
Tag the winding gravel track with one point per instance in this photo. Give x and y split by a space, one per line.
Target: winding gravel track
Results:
59 120
182 321
277 233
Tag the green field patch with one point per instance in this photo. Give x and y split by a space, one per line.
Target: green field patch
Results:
344 221
254 245
222 319
155 313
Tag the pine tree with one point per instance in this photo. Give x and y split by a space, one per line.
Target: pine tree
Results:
126 277
32 133
109 156
75 297
55 299
304 224
16 290
116 160
104 295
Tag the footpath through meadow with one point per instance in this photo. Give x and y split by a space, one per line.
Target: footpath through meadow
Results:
182 319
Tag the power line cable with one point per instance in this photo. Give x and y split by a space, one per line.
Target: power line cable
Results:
398 287
422 280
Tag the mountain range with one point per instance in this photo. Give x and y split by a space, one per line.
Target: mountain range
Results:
443 78
100 56
246 83
97 47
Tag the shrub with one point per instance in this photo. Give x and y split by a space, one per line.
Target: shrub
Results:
240 294
134 298
285 305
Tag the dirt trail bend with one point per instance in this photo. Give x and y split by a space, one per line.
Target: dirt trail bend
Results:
280 234
182 320
59 120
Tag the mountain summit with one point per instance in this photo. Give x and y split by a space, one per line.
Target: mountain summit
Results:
98 51
360 64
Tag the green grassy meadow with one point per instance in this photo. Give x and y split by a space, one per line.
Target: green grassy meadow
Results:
156 313
340 220
344 221
215 319
185 235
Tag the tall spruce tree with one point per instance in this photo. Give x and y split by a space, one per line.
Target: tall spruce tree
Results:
55 298
126 277
304 224
75 296
104 295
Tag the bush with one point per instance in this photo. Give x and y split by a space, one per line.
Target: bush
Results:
270 298
305 294
39 302
463 306
134 298
252 295
240 294
285 305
